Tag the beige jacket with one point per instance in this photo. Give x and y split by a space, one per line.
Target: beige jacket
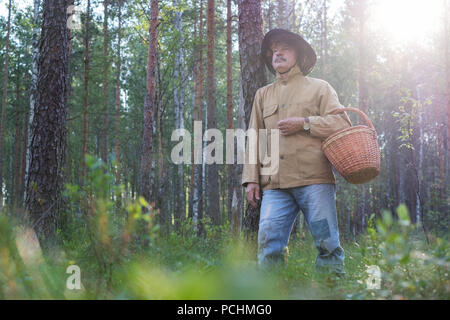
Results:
301 159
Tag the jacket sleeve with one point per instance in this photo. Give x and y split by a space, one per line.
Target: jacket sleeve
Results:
326 124
250 172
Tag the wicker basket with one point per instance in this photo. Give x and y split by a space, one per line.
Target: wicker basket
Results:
354 151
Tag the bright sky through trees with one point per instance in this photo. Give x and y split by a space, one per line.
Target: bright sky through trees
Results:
407 20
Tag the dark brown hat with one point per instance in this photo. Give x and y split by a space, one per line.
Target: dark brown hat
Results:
306 57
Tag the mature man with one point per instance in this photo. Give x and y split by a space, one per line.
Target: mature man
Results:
300 107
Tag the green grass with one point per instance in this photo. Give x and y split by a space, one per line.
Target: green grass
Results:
124 254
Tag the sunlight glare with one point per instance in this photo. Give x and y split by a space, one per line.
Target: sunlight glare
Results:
407 20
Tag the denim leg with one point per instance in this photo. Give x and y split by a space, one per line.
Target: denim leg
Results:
278 211
318 203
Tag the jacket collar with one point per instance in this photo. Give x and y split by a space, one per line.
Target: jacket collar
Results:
295 70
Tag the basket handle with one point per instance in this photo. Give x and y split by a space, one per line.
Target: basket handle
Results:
359 112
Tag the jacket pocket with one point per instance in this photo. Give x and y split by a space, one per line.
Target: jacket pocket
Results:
270 115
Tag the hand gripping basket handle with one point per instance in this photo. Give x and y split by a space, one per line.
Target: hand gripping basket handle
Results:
361 114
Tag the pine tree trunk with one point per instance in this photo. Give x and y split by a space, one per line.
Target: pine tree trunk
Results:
178 75
324 40
17 145
85 128
362 90
45 179
252 70
231 178
104 125
282 14
147 138
447 94
23 154
213 175
34 76
4 99
237 201
197 205
117 98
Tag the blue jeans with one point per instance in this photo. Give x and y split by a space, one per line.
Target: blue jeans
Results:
279 208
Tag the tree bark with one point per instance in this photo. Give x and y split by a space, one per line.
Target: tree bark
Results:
231 171
197 206
4 100
324 40
250 38
85 125
361 8
117 98
252 69
213 175
17 178
447 93
45 179
147 137
178 75
104 125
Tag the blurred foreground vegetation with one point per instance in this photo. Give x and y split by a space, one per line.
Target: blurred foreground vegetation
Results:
122 253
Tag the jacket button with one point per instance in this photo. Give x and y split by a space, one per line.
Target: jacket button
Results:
281 157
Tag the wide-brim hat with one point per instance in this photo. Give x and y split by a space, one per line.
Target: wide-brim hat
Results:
306 56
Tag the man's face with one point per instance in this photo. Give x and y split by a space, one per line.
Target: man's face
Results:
284 56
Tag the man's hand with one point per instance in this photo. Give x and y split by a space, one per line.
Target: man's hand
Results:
291 125
252 192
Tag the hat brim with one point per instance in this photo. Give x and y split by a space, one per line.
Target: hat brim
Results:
306 56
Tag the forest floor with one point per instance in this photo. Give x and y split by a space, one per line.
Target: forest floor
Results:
117 250
219 267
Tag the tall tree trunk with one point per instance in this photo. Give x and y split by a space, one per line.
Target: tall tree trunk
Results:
119 61
250 38
147 137
17 143
34 77
4 100
85 125
237 203
178 74
68 162
447 92
231 176
282 14
45 179
162 174
213 175
420 155
362 88
197 206
104 125
252 69
324 40
23 154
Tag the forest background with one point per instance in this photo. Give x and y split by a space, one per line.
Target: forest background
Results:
85 144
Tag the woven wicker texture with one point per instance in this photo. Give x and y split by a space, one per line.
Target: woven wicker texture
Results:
354 151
